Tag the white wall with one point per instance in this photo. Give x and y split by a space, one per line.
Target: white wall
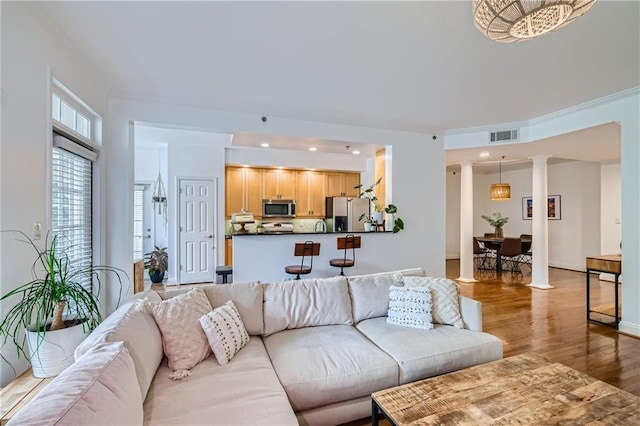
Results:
33 51
191 154
417 161
571 239
610 206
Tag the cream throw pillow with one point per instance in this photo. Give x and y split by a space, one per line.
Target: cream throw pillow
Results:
444 299
183 339
225 331
410 307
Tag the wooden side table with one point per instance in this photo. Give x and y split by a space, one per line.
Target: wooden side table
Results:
612 264
17 393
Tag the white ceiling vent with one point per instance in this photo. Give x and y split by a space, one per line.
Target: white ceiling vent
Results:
504 136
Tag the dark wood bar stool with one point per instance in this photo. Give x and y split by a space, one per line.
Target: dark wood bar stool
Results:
350 242
306 249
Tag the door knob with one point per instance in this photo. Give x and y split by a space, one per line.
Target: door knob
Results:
210 236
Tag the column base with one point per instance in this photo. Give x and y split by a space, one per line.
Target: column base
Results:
467 280
541 286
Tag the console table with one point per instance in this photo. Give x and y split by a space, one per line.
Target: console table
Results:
18 393
612 264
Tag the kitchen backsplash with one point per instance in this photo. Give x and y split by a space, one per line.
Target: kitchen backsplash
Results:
299 225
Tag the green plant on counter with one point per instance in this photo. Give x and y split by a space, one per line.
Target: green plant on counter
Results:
370 193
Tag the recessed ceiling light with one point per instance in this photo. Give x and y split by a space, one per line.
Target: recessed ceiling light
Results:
264 145
484 154
313 148
356 152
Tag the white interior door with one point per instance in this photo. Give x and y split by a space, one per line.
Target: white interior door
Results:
197 238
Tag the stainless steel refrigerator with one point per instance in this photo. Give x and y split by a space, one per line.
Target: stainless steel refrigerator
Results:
343 213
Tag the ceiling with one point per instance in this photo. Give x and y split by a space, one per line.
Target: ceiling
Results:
414 66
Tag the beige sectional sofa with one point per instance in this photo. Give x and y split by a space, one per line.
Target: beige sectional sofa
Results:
318 349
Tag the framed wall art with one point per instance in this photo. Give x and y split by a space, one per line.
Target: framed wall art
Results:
553 208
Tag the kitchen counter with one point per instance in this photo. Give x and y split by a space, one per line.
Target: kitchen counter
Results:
260 257
307 233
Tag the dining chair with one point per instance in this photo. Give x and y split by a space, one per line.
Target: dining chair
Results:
510 252
480 255
526 255
306 249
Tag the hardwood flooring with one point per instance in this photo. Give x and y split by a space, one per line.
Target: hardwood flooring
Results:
552 323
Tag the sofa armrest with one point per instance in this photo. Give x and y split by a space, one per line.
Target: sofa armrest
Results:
471 313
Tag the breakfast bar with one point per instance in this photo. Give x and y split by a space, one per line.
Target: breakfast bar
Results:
264 256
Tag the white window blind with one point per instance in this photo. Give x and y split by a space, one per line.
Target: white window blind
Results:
138 222
72 206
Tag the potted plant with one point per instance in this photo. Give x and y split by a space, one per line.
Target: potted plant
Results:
157 262
376 217
55 309
497 221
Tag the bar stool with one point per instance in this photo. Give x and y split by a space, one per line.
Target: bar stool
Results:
345 243
306 249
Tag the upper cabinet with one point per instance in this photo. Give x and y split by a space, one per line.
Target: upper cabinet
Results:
243 190
309 193
342 184
279 184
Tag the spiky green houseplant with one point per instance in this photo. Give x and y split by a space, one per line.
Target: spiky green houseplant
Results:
370 193
55 298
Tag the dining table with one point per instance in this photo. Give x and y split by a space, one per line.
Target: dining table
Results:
494 244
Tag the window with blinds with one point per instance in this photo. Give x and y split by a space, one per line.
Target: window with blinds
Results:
71 211
138 222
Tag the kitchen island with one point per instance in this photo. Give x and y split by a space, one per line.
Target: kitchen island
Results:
264 256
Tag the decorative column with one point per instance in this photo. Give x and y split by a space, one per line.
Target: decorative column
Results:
466 223
540 225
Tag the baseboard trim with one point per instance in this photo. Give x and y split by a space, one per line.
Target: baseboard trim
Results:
629 329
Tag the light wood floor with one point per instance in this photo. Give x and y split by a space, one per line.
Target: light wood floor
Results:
553 323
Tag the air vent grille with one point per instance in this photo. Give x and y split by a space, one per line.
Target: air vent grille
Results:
503 136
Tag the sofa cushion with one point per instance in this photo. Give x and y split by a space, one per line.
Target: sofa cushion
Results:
410 307
183 339
244 392
247 297
322 365
370 293
306 303
427 353
139 333
445 302
225 332
99 388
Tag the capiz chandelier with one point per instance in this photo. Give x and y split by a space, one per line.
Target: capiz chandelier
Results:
506 21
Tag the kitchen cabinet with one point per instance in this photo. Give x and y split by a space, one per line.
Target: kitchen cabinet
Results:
278 184
228 251
309 193
243 190
341 184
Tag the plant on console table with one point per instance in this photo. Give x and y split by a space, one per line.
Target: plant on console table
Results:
497 221
56 309
156 262
370 193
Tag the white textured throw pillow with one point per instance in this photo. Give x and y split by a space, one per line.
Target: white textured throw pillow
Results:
183 339
410 307
225 331
444 296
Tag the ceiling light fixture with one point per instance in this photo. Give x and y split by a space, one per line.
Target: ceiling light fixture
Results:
507 21
356 152
484 154
264 145
500 191
313 148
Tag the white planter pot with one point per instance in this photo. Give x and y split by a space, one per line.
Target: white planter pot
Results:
368 227
378 217
50 355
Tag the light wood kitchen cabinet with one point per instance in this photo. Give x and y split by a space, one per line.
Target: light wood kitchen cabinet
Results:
243 190
228 252
278 184
309 193
341 184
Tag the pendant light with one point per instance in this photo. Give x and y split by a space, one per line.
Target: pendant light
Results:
500 191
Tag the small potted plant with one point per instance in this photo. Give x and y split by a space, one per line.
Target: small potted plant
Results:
497 221
56 309
156 262
376 217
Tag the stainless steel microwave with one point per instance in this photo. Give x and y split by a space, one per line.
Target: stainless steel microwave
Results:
279 208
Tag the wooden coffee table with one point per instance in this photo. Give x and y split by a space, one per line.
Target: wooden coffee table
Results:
524 389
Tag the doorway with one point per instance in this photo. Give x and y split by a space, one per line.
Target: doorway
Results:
197 230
